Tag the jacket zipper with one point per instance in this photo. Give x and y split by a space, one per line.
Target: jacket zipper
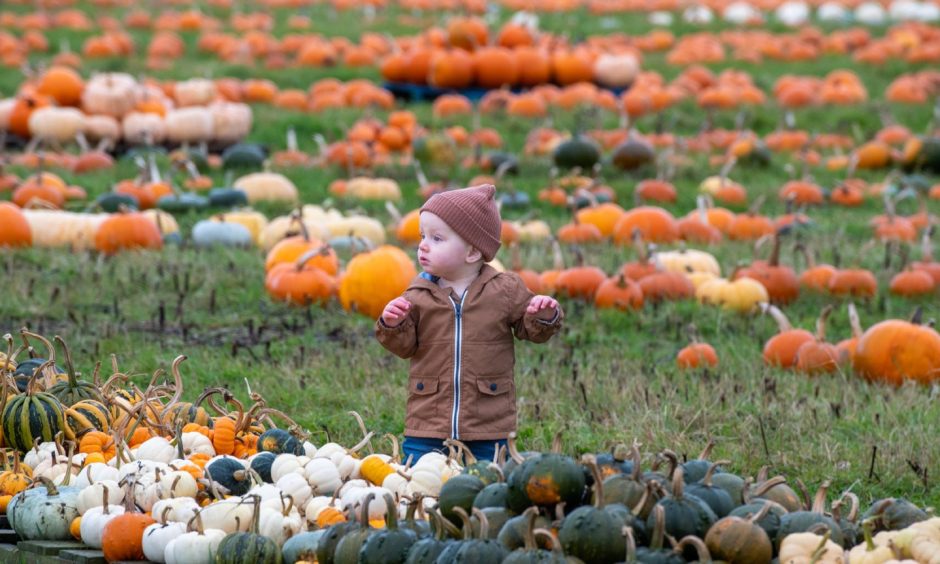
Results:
458 329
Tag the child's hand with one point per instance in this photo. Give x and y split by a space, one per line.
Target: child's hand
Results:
395 311
538 303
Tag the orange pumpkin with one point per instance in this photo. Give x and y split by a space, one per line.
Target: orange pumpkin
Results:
300 283
122 537
818 356
495 67
780 281
671 286
127 230
62 84
655 225
14 228
781 349
895 350
619 292
856 282
580 282
697 355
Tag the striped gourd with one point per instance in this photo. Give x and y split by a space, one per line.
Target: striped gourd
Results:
84 416
183 413
73 390
31 416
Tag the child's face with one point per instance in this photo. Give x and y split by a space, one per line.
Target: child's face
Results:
442 252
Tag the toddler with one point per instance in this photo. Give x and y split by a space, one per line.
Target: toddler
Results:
456 322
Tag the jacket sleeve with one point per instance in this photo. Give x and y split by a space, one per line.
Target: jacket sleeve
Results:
401 339
538 327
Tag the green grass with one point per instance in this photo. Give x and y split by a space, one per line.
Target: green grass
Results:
608 377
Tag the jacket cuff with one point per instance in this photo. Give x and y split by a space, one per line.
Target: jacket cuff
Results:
405 324
551 321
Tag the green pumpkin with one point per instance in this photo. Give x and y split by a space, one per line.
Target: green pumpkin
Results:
435 149
493 495
326 548
770 522
545 481
427 550
530 552
512 535
244 155
803 521
695 470
44 512
261 464
390 545
685 514
717 498
24 371
302 546
84 416
347 548
622 486
486 471
227 198
476 550
111 202
496 517
31 416
496 161
922 154
731 483
894 514
632 154
579 151
230 474
183 413
73 390
238 548
459 491
182 203
620 460
280 441
594 533
654 553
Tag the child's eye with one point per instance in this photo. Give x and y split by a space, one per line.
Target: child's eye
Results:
437 238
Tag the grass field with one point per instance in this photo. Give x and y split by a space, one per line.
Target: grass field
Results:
608 377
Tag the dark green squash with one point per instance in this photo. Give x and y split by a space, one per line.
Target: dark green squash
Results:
578 152
73 390
231 474
84 416
512 535
623 487
478 550
922 154
302 546
496 517
694 470
112 202
238 548
655 553
803 521
848 520
546 480
348 547
632 154
261 464
280 441
390 545
716 498
515 457
776 489
593 533
459 491
227 198
620 460
664 479
31 416
326 548
182 203
427 551
894 514
501 163
531 553
770 521
731 483
685 514
420 527
487 471
435 149
244 155
493 495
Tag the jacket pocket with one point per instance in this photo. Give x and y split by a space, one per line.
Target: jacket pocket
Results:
494 406
424 412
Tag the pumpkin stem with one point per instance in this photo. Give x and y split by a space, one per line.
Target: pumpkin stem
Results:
697 544
362 428
819 501
659 527
530 515
677 483
917 317
513 452
764 510
635 457
364 510
709 474
465 519
106 509
31 384
783 324
50 350
821 323
673 460
627 532
177 383
549 538
707 450
820 550
556 442
391 512
446 525
484 523
590 461
853 511
73 377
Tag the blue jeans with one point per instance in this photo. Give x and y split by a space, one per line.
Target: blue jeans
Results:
415 447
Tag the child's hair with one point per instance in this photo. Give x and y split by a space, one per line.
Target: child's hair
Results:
472 214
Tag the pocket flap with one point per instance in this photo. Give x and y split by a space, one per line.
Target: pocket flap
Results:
494 386
424 386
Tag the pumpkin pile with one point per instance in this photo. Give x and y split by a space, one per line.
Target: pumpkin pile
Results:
140 474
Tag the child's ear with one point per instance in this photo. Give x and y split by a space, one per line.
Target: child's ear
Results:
474 255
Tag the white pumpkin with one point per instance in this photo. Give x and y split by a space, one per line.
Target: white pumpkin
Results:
94 520
95 472
252 220
194 548
270 494
102 127
197 443
178 509
56 124
158 536
365 188
616 70
832 12
231 121
793 13
687 260
164 221
110 94
296 486
741 13
188 125
281 227
285 464
323 476
207 233
349 467
315 506
279 525
425 480
698 14
138 126
396 483
230 515
177 484
157 449
310 449
36 455
94 495
870 13
534 230
145 470
267 187
194 92
367 228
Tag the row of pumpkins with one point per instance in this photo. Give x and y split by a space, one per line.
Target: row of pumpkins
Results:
152 477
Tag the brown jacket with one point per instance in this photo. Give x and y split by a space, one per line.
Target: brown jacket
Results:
472 352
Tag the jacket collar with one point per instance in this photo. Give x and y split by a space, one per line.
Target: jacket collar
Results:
429 282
